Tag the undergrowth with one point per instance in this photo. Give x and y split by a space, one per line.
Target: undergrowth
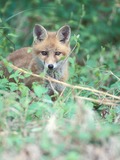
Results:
83 123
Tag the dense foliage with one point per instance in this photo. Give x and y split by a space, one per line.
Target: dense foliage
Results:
83 124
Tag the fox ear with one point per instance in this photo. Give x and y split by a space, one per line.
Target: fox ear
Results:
64 34
39 33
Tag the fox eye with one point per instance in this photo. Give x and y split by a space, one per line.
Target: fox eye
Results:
44 53
57 53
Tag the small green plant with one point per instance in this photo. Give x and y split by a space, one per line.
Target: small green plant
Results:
83 123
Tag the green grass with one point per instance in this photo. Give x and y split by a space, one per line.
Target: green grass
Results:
69 128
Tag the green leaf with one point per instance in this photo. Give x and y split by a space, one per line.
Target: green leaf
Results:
39 90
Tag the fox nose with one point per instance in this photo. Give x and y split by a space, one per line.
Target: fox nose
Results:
50 66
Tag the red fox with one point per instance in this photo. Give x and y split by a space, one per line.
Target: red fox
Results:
48 54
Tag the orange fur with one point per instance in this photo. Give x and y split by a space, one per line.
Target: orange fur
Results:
31 58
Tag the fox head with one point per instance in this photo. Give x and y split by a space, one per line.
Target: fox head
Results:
51 47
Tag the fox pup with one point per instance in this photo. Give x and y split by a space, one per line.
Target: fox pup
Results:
48 54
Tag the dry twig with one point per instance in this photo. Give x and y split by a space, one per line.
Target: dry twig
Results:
107 99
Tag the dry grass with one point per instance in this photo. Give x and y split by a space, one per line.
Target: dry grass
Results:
102 97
